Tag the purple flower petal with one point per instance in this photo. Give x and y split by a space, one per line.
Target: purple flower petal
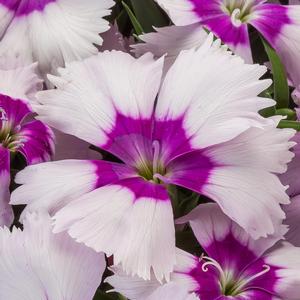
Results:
216 20
221 238
37 142
190 170
14 110
270 20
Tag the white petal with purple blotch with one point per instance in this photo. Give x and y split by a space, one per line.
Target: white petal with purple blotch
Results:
136 220
280 24
286 258
215 93
210 225
109 84
54 32
54 184
238 176
37 264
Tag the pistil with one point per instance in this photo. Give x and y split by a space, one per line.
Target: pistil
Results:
235 17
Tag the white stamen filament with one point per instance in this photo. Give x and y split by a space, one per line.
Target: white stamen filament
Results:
161 178
265 270
214 263
3 116
246 5
235 17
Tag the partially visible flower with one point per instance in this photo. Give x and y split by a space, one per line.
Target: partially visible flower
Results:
170 40
52 32
229 20
135 288
69 146
114 40
172 291
19 133
234 266
39 265
204 134
292 180
19 81
6 213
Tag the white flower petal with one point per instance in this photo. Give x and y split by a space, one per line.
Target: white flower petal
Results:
170 40
287 260
135 288
19 81
215 92
63 31
210 225
111 82
140 226
180 11
53 184
37 264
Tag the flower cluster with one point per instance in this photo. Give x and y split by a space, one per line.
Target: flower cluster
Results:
149 150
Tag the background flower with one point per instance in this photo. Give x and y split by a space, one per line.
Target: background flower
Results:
36 264
52 32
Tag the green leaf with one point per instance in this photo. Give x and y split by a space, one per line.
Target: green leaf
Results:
269 111
289 124
149 14
281 88
100 295
135 23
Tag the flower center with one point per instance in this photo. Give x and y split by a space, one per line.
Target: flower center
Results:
153 171
239 10
229 283
9 138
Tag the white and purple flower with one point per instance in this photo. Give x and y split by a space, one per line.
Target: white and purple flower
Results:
204 134
19 133
52 32
39 265
234 266
229 20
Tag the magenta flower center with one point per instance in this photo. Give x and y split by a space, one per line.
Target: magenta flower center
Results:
230 283
152 170
240 11
9 137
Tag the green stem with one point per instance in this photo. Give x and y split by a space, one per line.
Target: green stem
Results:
289 124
